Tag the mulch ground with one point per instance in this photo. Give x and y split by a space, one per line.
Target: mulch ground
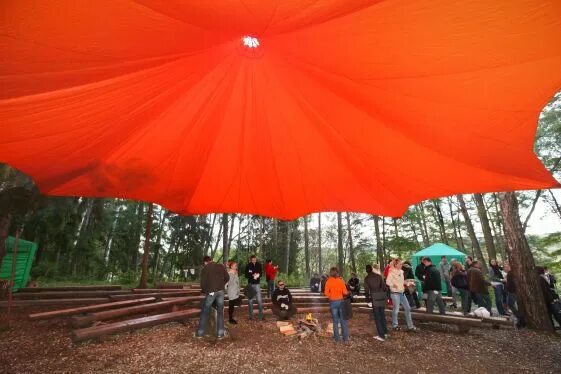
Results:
258 347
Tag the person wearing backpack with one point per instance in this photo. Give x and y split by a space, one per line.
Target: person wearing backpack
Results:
459 281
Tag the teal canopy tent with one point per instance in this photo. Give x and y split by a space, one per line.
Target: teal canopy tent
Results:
435 252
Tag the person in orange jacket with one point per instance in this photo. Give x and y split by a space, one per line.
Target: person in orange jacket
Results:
336 290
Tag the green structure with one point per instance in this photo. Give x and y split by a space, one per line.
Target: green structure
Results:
435 252
24 260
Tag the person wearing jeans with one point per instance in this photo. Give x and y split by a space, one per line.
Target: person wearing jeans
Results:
397 284
270 274
253 274
460 282
478 286
336 290
214 278
432 287
497 282
376 293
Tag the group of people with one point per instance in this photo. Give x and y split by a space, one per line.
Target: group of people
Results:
396 285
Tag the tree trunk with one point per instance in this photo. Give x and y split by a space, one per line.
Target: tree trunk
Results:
147 235
440 220
230 235
162 221
320 265
351 247
208 239
423 224
340 243
217 243
529 295
225 243
287 246
555 204
415 237
454 226
306 247
379 251
476 249
386 259
487 235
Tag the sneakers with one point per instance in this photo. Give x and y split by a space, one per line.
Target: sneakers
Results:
386 336
197 336
379 338
233 321
220 337
413 329
396 328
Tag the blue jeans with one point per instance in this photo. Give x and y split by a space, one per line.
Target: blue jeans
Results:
270 288
397 299
380 319
483 300
218 298
257 288
466 302
337 314
499 290
432 297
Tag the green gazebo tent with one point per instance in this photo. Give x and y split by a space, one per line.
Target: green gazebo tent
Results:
435 252
24 260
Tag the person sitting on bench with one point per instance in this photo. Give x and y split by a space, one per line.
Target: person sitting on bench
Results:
315 283
282 302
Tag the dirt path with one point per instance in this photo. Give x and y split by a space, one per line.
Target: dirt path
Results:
257 347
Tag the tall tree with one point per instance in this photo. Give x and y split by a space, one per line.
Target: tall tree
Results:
476 249
320 265
306 247
351 247
340 243
379 249
455 227
225 243
147 236
487 234
419 209
530 299
287 254
440 220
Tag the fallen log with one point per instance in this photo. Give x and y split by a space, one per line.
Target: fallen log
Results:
87 309
82 321
157 295
71 288
56 302
162 291
67 294
132 324
176 285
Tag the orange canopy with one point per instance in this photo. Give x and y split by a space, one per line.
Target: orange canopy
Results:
365 106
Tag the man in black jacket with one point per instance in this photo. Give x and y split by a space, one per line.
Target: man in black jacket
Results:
282 302
213 280
375 292
432 287
253 273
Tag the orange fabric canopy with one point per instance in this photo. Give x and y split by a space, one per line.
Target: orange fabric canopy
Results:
365 106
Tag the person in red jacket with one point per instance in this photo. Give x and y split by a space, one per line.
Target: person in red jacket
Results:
270 273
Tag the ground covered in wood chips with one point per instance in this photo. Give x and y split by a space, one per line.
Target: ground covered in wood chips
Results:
258 347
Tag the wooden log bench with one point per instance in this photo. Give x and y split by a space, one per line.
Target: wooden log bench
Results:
67 294
132 324
88 309
157 295
82 321
71 288
55 302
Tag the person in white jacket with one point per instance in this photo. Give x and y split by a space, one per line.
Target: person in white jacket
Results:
397 284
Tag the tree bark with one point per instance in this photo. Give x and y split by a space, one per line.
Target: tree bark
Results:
287 246
423 224
440 220
162 221
476 249
351 246
340 243
379 251
555 204
320 265
386 259
306 247
147 235
454 226
225 244
529 295
487 234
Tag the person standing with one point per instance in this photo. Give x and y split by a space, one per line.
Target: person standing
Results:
478 286
376 293
233 290
460 282
411 291
432 287
510 289
336 290
253 273
283 307
397 284
445 269
469 261
271 274
213 280
497 280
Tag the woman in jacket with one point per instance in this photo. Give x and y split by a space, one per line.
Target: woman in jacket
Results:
458 279
497 280
376 293
336 290
396 283
233 289
411 291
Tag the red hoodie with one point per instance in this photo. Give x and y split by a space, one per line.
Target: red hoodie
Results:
270 271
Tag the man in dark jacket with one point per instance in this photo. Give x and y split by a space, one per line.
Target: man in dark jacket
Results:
411 291
353 285
376 293
432 287
213 280
253 273
283 307
478 286
315 282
